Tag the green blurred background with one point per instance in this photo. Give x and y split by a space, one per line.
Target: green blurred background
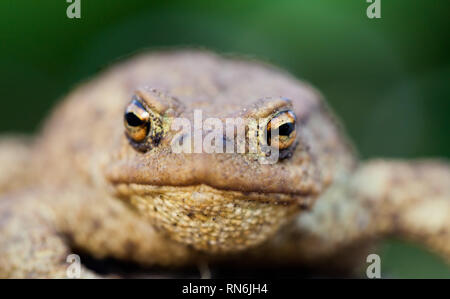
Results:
388 78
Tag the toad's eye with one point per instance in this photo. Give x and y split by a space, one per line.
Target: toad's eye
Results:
137 121
284 122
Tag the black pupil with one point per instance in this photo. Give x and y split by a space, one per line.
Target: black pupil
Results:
133 120
286 129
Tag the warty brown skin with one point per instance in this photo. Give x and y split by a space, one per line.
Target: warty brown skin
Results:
81 184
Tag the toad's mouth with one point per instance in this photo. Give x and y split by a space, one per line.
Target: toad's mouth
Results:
288 189
129 189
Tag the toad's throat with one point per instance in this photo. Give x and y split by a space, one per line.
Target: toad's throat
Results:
209 219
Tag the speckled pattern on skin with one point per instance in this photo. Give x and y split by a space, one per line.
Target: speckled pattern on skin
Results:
82 184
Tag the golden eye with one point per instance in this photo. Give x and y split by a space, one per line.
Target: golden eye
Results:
137 121
284 121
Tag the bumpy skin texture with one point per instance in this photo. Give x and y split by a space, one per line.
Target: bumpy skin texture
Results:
81 184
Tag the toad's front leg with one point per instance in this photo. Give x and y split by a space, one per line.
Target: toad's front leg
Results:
30 245
407 199
39 228
404 199
15 153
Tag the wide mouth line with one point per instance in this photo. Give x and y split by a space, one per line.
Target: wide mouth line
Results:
143 189
129 183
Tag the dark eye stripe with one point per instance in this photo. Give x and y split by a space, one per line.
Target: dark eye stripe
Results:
133 120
